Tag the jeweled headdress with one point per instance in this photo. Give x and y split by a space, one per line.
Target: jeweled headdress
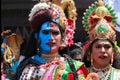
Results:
47 11
100 21
68 5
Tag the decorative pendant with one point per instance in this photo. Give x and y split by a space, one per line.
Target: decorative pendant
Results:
100 73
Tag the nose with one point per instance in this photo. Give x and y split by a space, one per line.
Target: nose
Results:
102 49
51 37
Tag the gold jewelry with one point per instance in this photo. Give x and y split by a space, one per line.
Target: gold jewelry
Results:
62 45
108 74
9 55
103 73
91 60
96 24
50 57
111 60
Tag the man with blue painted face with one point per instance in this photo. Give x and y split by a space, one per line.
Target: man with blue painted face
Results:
44 61
50 37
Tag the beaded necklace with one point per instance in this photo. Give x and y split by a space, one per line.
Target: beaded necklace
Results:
49 58
104 73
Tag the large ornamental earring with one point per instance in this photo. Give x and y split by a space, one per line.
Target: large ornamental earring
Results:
111 60
62 45
91 60
38 50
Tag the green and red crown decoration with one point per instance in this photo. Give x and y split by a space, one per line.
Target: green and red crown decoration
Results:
100 21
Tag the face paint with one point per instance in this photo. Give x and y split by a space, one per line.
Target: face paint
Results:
45 37
50 38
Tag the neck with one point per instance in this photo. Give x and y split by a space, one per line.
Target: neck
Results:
102 72
101 68
50 57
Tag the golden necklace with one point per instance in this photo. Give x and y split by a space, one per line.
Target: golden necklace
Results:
50 57
103 73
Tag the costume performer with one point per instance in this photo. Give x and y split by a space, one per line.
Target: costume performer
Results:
100 21
50 28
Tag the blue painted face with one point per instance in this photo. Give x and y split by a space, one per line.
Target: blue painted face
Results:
50 38
45 37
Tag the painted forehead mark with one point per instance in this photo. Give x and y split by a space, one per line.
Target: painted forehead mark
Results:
103 43
52 24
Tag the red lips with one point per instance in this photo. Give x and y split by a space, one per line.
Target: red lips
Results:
51 43
103 56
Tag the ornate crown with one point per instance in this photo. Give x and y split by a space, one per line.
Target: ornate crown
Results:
100 21
66 4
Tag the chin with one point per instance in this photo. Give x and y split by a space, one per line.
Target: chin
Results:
54 50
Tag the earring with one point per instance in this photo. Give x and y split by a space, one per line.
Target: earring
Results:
111 60
91 60
38 51
62 45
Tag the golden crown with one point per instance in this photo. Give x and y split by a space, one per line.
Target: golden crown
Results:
100 21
